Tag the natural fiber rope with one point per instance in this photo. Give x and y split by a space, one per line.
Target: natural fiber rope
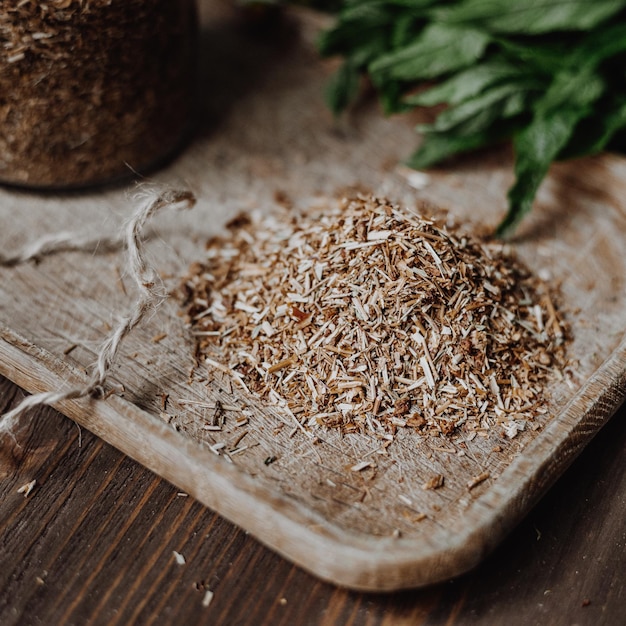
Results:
60 242
151 292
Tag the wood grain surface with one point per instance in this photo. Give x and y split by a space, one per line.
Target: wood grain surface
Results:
265 129
93 544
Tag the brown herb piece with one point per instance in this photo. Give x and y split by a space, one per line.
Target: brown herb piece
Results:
477 480
435 482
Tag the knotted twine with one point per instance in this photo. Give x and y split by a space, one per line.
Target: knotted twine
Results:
149 284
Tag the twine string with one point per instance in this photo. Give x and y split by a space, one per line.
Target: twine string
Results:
151 292
60 242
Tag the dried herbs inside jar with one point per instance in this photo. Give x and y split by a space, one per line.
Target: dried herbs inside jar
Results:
92 89
369 318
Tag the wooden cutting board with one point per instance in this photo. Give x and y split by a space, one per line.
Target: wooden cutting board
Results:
266 133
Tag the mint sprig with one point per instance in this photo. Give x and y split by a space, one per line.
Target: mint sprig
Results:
549 75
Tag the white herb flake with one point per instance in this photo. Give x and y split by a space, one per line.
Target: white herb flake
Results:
360 466
208 598
27 488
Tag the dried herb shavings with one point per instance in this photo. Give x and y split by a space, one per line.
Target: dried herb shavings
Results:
371 318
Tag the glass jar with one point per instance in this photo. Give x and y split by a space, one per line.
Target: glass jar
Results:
92 91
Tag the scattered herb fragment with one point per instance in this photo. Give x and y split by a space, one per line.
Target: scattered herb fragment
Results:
549 75
477 480
27 488
435 482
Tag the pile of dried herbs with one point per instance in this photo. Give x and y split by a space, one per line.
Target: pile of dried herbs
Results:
548 74
369 318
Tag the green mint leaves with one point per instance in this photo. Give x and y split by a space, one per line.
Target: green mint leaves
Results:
549 74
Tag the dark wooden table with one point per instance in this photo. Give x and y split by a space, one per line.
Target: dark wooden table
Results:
94 543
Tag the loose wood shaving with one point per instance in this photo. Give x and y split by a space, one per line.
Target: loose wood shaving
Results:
372 318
